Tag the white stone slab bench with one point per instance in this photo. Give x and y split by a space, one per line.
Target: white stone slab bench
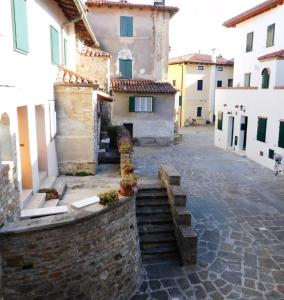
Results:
41 212
85 202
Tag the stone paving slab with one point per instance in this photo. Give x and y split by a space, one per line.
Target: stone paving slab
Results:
238 212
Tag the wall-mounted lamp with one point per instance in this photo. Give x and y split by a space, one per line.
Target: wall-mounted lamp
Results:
242 108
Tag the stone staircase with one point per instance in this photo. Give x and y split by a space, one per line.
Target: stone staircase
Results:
155 225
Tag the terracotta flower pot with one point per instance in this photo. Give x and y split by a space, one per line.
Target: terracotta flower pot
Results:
126 190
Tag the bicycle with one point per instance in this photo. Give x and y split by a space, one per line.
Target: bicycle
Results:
278 167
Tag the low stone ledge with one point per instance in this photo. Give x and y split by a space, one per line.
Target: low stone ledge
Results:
88 254
177 195
182 215
169 174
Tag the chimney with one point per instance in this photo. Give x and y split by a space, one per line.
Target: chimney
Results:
159 2
214 55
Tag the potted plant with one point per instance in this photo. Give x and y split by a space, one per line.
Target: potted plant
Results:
108 198
126 185
125 148
126 167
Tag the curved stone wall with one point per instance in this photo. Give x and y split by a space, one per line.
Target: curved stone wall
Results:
89 254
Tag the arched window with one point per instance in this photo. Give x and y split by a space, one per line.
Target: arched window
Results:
265 78
6 153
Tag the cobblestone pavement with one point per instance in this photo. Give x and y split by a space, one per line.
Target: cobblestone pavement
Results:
238 213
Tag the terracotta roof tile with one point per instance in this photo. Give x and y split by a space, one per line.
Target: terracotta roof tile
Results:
142 86
124 4
65 75
89 51
256 10
197 58
274 55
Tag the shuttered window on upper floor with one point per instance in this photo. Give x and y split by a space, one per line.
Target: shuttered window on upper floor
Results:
270 35
126 26
125 68
281 135
261 129
141 104
20 25
54 42
249 45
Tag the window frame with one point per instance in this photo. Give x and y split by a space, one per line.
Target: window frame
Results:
53 61
261 137
200 68
230 82
126 75
247 75
218 83
270 43
124 21
199 109
265 84
250 38
147 105
220 69
220 120
199 88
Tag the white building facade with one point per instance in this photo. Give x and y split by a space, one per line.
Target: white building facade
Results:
36 37
250 116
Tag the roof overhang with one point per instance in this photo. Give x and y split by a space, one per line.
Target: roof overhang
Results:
101 96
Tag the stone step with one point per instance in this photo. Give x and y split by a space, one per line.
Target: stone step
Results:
41 212
36 201
151 250
61 188
152 195
150 188
25 197
48 182
51 203
168 259
154 219
153 210
157 238
152 202
150 228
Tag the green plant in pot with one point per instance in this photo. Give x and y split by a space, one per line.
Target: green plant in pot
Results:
126 185
108 198
126 167
125 148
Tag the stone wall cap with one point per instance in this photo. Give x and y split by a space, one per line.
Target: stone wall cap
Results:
52 222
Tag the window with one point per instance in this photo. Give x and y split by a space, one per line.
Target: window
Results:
125 68
54 41
247 80
281 135
141 104
220 121
65 44
199 112
219 83
199 85
270 35
20 26
230 82
126 26
200 68
220 69
261 129
265 79
174 82
249 42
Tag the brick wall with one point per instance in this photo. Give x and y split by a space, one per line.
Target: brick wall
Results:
87 254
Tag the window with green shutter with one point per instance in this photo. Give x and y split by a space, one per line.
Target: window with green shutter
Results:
141 104
125 68
281 135
180 100
249 45
20 25
265 78
65 52
126 26
55 50
270 35
131 104
261 129
220 121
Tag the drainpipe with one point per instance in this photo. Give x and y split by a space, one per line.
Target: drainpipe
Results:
181 94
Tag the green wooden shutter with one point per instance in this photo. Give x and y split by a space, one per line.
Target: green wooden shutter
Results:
129 69
270 35
131 104
55 51
220 121
20 25
65 52
125 68
126 26
281 135
129 26
153 104
261 130
180 100
249 45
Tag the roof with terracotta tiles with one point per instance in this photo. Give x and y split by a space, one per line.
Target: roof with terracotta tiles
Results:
89 51
255 11
71 10
274 55
197 58
124 4
67 76
142 86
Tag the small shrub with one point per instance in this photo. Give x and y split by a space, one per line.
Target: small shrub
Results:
108 198
128 180
125 148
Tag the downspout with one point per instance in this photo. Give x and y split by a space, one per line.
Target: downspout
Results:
181 107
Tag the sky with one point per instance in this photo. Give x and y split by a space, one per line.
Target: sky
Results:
198 25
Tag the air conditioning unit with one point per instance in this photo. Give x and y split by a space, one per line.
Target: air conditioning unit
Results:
159 2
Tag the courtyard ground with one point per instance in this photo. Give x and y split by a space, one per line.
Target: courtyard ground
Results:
238 214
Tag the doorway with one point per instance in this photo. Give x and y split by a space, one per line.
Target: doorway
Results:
24 141
231 126
129 127
243 135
